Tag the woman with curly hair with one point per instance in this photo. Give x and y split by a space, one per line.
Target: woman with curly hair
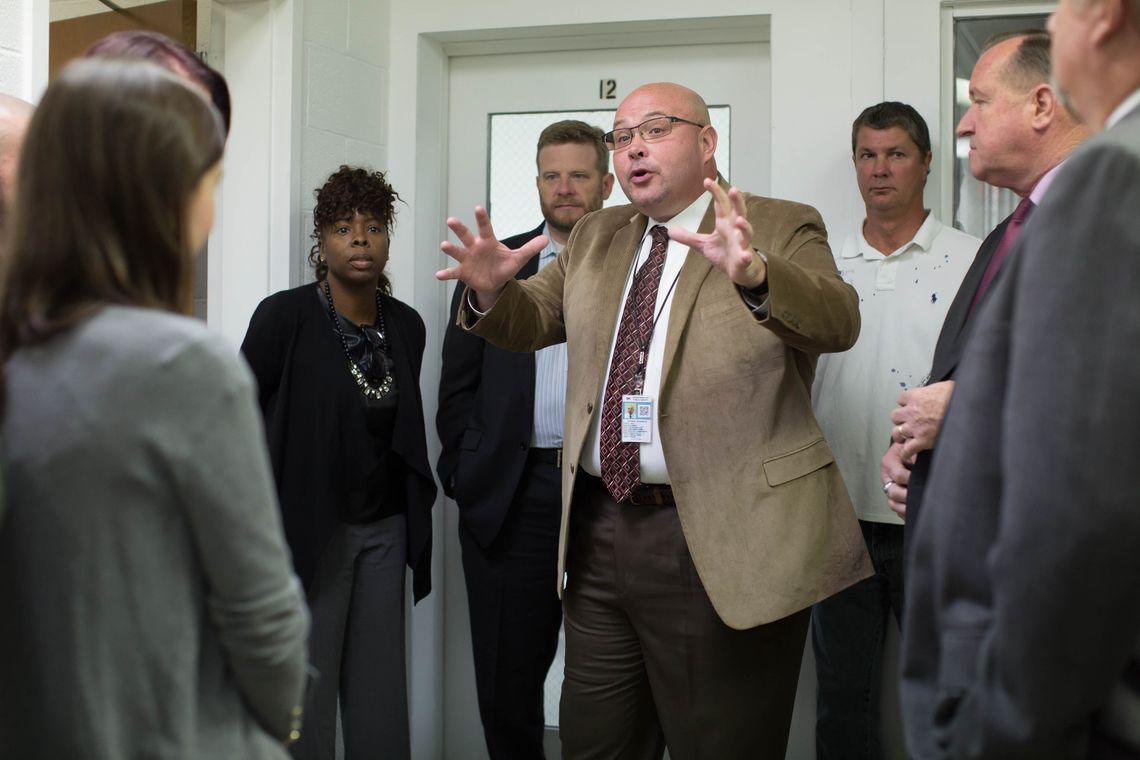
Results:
338 365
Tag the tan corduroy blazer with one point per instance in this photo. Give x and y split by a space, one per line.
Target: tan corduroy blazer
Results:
764 511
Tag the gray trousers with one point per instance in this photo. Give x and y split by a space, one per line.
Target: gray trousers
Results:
357 646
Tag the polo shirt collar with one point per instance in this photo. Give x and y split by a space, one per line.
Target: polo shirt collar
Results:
923 239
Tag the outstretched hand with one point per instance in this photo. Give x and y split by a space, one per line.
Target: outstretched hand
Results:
485 264
729 245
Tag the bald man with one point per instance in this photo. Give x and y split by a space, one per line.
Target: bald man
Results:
14 117
702 512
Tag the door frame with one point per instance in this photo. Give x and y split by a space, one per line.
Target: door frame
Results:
256 232
417 115
424 171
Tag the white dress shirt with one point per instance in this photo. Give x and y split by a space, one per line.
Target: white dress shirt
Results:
549 376
653 467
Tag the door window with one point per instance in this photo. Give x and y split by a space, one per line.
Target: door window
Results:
512 200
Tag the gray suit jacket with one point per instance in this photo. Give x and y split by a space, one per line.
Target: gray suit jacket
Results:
147 604
1022 632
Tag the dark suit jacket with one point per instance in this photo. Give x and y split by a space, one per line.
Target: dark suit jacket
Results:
1023 602
485 418
323 455
947 353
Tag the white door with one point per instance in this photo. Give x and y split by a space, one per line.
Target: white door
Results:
735 76
521 94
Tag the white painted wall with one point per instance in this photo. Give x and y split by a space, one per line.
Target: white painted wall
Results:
249 251
829 59
344 93
23 48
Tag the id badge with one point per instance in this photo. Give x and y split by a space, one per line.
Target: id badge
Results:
636 419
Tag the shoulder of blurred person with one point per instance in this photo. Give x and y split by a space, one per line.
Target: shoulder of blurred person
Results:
130 363
151 417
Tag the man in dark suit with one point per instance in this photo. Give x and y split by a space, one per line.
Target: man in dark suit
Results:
1019 136
1027 561
702 511
500 425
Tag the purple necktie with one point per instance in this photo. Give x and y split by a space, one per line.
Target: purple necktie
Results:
1012 230
621 462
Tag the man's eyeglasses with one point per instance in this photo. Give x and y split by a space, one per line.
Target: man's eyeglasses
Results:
653 129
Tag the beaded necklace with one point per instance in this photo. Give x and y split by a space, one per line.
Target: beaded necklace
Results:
362 382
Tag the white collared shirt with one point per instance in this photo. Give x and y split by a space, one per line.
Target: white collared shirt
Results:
903 299
549 375
653 467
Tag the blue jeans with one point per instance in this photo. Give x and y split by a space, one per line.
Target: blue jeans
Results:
848 632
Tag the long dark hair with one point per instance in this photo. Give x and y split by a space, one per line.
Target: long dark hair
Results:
111 159
347 190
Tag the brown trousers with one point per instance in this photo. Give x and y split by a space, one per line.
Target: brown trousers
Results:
649 664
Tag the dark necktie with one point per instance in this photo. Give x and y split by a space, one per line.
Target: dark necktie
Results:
621 462
1008 238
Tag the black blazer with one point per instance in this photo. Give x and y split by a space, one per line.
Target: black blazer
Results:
485 418
947 353
322 453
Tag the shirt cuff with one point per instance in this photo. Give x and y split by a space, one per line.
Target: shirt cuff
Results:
471 305
756 298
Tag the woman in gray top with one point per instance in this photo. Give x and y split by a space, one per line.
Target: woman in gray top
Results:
147 604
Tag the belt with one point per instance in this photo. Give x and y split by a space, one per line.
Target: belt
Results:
546 456
648 494
642 495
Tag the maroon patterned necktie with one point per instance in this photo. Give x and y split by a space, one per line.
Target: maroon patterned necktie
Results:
621 462
1008 238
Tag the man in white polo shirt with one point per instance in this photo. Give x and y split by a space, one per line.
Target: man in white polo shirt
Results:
906 267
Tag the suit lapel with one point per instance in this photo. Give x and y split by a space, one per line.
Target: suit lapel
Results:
693 273
406 383
949 347
616 264
526 362
529 268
